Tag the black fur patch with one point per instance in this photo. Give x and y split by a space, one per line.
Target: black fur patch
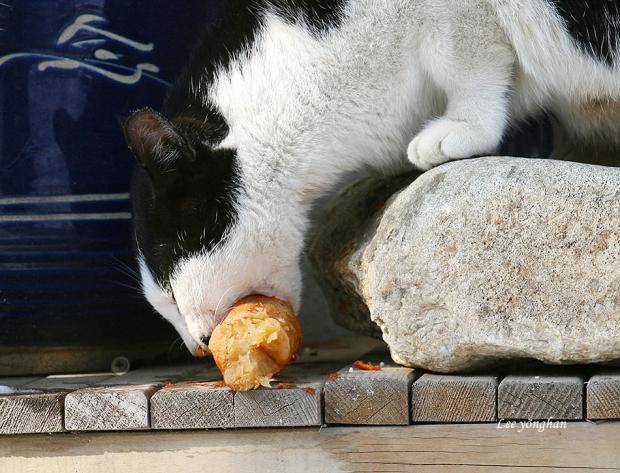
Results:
189 206
319 15
185 210
235 29
594 24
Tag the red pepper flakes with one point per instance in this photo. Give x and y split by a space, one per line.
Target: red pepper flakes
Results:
362 365
310 391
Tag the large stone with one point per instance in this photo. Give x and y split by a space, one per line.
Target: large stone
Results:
347 217
480 261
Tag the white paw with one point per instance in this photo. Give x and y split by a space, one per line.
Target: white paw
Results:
444 140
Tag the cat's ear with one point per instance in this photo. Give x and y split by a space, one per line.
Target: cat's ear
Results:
154 141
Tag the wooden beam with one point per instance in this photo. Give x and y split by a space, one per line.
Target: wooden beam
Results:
192 398
11 384
294 400
109 408
175 373
37 405
296 406
462 448
76 359
540 397
193 405
359 397
448 398
603 396
31 413
98 401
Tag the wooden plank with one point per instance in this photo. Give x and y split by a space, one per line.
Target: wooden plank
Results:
69 382
44 360
449 398
193 405
12 385
293 401
359 397
31 413
39 397
534 448
540 397
193 398
341 349
109 408
175 373
99 394
461 448
36 406
150 375
298 406
123 402
603 396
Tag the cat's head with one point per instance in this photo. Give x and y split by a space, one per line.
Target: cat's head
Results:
204 238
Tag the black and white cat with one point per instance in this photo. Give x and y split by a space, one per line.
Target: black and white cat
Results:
284 97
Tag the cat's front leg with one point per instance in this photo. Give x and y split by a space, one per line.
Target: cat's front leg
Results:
476 78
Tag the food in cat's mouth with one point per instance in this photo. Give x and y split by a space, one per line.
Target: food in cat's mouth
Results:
258 338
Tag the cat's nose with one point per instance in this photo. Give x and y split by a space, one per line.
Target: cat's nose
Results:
201 352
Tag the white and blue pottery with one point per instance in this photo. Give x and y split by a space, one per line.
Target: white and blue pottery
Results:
68 70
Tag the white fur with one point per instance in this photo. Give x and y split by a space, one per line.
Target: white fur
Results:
431 80
162 302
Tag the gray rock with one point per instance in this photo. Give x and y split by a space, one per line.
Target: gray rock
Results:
344 220
480 261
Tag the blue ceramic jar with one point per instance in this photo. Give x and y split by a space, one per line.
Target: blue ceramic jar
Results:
68 70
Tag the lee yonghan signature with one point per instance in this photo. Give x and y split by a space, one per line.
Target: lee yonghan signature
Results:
538 425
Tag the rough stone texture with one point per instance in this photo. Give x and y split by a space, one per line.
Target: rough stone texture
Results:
341 226
485 260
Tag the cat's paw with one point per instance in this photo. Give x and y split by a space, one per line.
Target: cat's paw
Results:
444 140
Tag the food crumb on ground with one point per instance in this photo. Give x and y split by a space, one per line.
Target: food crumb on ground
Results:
362 365
284 386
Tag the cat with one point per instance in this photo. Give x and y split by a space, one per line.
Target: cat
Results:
283 98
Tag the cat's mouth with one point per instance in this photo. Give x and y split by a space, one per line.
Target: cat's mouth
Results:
201 352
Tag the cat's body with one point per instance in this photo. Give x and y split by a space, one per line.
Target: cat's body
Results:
304 93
